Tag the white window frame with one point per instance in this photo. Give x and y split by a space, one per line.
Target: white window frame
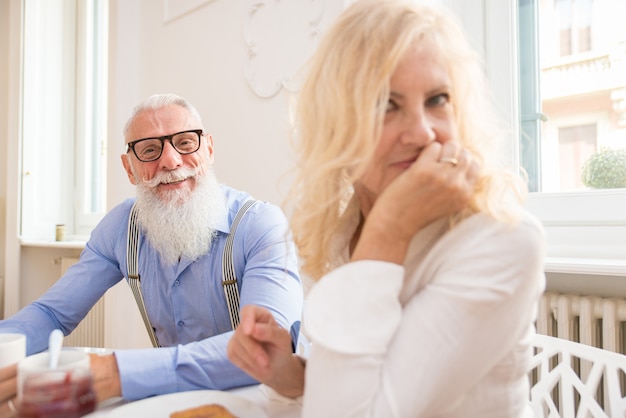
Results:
91 98
58 134
585 231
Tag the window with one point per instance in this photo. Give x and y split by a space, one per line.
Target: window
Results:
574 23
576 144
63 116
582 77
572 89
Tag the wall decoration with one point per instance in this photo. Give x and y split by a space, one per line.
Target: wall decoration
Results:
173 9
277 46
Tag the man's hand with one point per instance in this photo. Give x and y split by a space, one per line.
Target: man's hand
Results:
8 390
106 376
261 348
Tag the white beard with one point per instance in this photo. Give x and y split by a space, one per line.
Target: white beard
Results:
181 223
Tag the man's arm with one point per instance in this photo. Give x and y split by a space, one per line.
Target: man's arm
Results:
266 266
106 376
67 302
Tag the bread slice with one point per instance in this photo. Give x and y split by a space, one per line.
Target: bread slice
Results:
204 411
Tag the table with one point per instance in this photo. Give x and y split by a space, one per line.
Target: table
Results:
274 405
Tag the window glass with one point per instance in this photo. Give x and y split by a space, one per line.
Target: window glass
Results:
92 87
572 91
63 117
582 92
576 145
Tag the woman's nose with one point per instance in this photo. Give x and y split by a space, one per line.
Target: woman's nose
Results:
419 129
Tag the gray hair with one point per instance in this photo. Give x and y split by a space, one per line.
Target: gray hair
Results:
158 101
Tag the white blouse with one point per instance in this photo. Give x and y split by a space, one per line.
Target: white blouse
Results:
446 335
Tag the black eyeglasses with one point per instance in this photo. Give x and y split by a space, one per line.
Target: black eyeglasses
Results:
150 149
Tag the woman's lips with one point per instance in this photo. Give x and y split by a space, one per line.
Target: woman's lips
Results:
404 164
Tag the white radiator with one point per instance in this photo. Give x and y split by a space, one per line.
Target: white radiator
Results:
90 331
591 320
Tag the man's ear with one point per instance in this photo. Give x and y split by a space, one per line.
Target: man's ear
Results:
128 168
209 144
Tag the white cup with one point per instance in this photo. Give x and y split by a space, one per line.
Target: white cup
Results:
67 390
12 348
69 360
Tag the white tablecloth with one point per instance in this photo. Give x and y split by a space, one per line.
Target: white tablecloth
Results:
274 405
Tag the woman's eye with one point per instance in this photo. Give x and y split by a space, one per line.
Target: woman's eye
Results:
391 105
438 100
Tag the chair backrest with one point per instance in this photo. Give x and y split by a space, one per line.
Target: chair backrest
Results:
570 379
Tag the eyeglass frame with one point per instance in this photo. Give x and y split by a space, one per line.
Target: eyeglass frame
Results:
131 144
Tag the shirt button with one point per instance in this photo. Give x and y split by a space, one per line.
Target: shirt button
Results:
176 283
181 323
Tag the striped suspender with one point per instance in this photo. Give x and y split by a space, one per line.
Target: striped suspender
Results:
132 258
229 279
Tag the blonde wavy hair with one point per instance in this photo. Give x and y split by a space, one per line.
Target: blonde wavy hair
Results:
340 111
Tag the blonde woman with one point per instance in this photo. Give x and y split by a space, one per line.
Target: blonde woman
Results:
427 267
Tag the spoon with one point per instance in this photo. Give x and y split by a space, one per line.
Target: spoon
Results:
55 342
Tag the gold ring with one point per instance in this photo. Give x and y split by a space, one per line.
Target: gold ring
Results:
450 160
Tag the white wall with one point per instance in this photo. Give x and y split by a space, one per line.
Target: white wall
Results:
9 143
203 56
4 104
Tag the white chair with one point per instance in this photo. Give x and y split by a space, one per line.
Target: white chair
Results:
572 380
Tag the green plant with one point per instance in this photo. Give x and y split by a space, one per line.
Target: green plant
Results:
605 169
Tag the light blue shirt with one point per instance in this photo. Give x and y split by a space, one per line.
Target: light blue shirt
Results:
185 302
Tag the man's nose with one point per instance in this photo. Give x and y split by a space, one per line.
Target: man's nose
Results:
170 158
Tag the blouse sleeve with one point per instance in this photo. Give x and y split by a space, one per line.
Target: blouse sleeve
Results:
421 357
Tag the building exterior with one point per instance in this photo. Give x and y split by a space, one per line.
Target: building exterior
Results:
582 49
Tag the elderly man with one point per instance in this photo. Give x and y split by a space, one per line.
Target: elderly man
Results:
184 218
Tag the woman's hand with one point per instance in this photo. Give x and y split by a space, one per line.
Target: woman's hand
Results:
439 183
262 348
8 390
